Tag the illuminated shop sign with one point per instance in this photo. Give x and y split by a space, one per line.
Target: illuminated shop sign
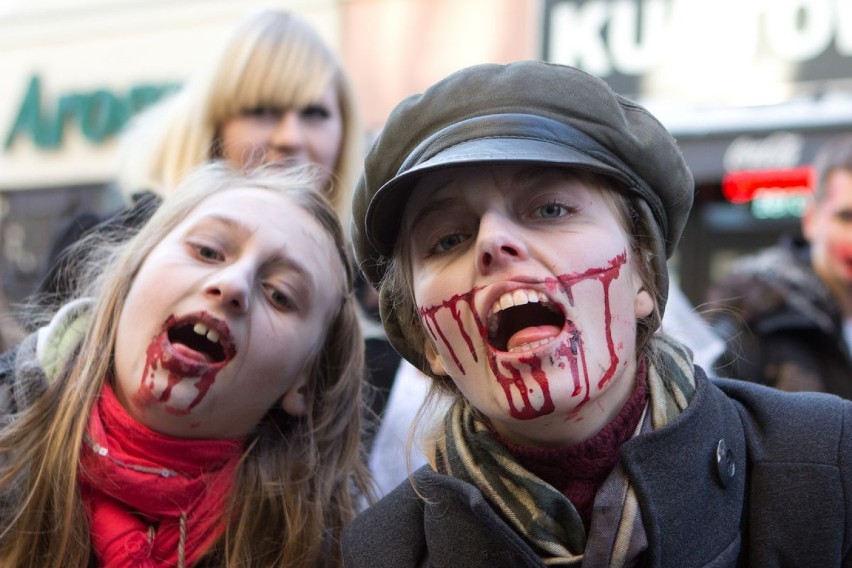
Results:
99 114
648 47
768 174
771 193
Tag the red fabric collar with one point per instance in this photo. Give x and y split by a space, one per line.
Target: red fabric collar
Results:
143 489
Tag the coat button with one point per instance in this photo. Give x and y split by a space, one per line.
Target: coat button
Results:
725 466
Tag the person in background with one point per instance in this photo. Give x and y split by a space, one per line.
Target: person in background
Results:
273 91
197 403
518 219
786 312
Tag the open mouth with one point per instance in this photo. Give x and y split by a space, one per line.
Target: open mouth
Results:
204 339
522 320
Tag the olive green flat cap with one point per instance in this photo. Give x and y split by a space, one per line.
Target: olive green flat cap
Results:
528 112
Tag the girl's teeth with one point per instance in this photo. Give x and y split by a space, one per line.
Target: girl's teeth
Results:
517 298
529 346
202 329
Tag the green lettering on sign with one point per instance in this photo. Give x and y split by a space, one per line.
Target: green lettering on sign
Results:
29 115
99 115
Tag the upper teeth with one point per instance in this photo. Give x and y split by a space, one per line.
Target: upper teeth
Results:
202 329
517 298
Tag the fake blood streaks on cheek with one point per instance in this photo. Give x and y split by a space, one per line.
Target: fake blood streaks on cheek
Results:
512 374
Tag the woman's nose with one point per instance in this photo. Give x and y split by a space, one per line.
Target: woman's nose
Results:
288 135
231 287
498 243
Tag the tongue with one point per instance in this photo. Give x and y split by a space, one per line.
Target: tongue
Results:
532 334
189 353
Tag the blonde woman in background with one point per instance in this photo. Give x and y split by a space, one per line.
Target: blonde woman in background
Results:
273 91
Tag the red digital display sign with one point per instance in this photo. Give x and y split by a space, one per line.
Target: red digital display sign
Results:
744 186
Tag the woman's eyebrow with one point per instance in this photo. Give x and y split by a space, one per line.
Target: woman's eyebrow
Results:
228 222
276 261
531 176
433 205
290 265
431 208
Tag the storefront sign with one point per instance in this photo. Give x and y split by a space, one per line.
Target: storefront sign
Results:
745 186
772 194
99 114
647 47
773 151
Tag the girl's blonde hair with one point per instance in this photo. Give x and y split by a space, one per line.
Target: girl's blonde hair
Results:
300 478
271 58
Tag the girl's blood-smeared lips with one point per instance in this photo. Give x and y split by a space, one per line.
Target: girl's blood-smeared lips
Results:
194 345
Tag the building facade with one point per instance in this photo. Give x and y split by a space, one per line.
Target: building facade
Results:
755 93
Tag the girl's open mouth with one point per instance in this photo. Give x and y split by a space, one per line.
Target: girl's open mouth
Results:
522 320
195 344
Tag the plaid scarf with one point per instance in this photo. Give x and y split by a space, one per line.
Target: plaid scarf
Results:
538 512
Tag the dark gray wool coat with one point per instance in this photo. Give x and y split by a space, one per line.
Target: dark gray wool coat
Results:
787 501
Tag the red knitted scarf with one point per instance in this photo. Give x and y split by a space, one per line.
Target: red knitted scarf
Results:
578 471
152 500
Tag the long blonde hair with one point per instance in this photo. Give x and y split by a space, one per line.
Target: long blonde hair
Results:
299 479
270 58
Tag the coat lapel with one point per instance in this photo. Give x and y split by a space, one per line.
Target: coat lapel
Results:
690 480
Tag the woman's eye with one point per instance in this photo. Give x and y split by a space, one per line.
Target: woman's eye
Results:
208 253
446 243
551 211
844 216
263 112
278 297
316 111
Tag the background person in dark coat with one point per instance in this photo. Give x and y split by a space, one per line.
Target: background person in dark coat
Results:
786 312
519 219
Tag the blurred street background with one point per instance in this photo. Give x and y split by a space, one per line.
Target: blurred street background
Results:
750 89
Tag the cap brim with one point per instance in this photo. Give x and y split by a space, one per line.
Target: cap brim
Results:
385 212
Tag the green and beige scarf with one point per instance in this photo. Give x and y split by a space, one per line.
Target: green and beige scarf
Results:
541 514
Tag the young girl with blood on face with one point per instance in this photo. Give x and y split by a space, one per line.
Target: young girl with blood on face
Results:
518 220
209 416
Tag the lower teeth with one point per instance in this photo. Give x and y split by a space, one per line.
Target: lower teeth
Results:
529 346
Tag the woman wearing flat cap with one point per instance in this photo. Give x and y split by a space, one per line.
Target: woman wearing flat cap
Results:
518 220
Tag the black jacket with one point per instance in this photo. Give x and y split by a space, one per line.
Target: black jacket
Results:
781 325
787 502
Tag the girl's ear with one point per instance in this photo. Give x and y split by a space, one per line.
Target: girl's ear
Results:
433 358
293 401
643 304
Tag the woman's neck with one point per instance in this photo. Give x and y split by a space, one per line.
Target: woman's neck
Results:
581 423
